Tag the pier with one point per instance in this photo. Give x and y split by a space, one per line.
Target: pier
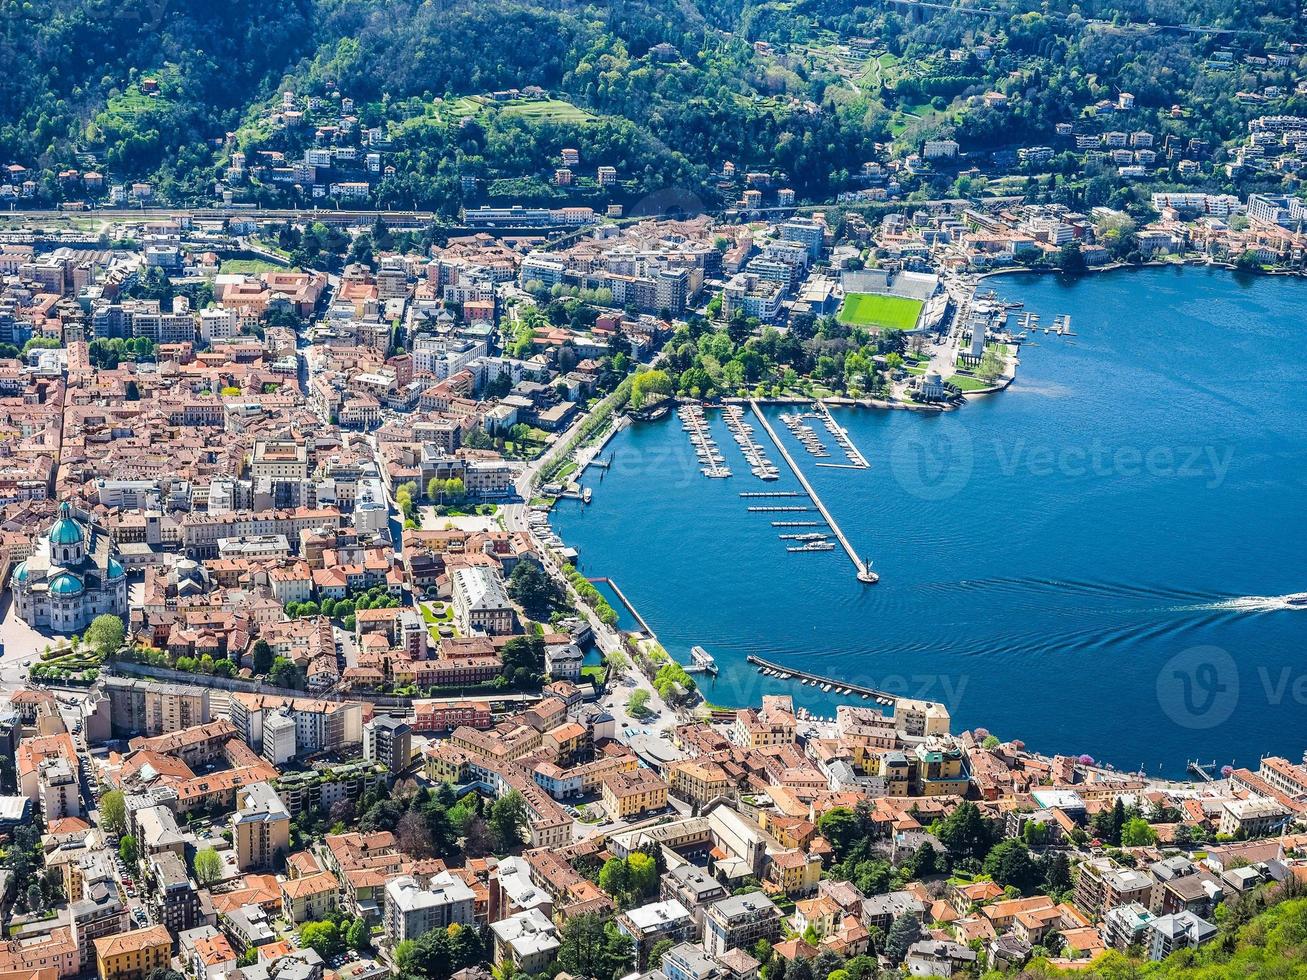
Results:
621 596
1204 771
798 523
777 510
828 684
865 574
771 493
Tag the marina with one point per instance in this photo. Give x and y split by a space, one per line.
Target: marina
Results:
742 432
712 463
805 433
863 569
841 437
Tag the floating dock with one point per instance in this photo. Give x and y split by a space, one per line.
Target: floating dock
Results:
864 572
777 510
841 436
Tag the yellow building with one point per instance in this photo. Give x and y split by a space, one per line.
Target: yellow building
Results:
132 955
896 770
699 782
794 871
939 770
628 793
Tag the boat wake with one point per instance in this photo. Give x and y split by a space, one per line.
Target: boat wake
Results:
1259 603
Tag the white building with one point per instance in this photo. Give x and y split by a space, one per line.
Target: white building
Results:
528 940
413 910
480 601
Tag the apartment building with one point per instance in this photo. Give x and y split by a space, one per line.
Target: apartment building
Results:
260 827
626 794
739 921
141 707
414 909
1103 885
132 955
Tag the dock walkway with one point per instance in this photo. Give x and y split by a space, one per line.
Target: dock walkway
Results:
865 574
882 698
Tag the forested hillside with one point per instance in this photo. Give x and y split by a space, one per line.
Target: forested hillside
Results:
663 91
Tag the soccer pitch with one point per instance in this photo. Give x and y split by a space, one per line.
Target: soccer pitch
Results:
875 310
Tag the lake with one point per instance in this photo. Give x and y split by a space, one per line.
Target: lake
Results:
1091 561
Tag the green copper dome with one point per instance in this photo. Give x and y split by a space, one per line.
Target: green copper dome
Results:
66 530
66 583
20 573
115 569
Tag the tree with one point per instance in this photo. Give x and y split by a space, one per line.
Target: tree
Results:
656 952
359 936
321 937
638 702
207 866
113 812
842 828
614 877
531 588
1137 833
650 386
508 818
105 634
261 661
924 862
590 947
965 833
905 931
413 837
127 850
285 673
1057 873
34 897
1009 863
643 877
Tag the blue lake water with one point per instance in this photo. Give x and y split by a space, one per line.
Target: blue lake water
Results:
1077 562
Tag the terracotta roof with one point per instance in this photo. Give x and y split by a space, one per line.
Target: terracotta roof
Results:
130 942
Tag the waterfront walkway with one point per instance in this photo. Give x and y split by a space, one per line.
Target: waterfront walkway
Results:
865 574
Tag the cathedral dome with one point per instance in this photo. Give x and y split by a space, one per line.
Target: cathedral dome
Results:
66 530
65 583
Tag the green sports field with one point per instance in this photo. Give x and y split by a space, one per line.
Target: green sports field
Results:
875 310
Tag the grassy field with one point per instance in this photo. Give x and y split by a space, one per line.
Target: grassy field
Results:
451 111
250 267
967 383
874 310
